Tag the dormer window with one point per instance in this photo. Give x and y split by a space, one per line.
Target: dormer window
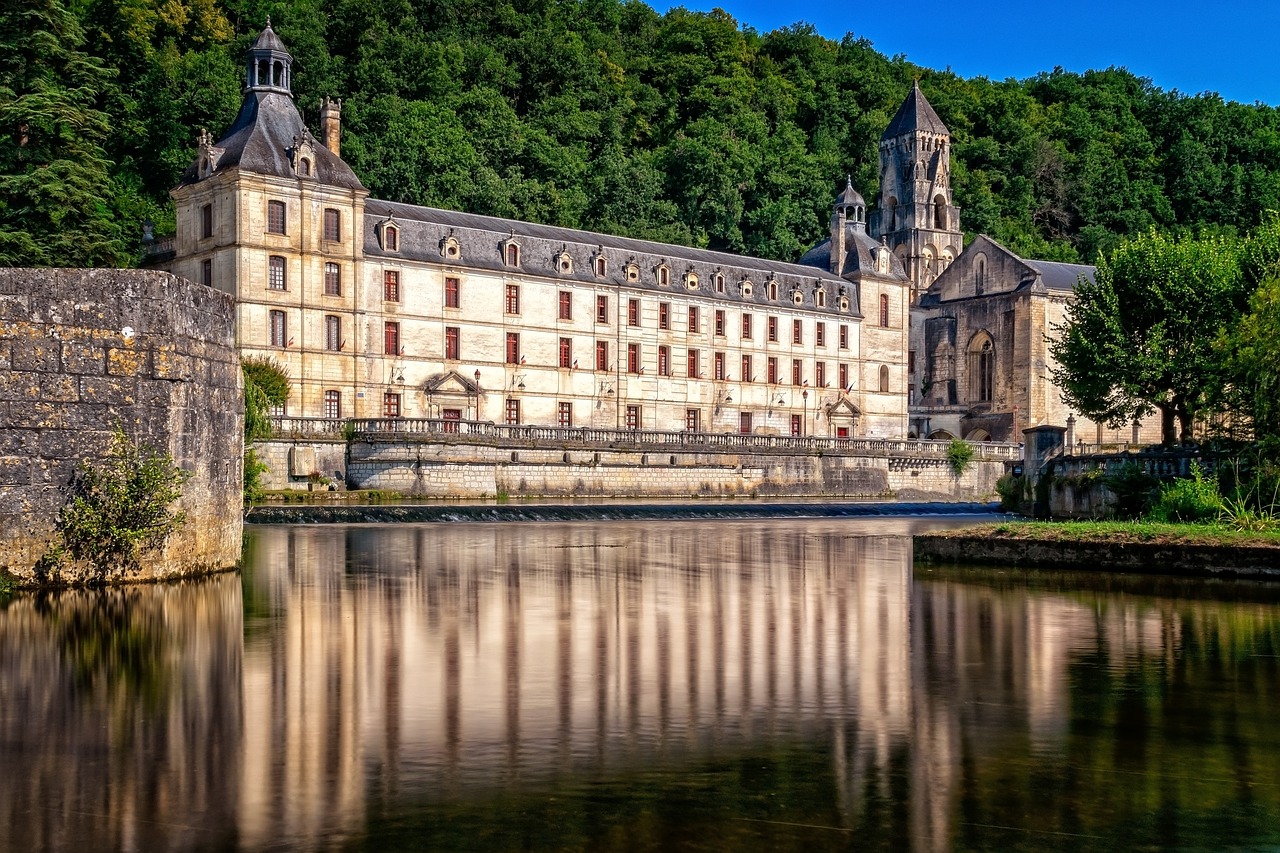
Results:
304 167
562 261
664 275
632 270
797 296
511 253
691 280
391 237
600 264
773 290
719 282
820 297
745 288
450 248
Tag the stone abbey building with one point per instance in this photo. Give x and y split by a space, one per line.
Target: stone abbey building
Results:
890 328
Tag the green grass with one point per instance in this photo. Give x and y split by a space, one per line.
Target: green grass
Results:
1122 531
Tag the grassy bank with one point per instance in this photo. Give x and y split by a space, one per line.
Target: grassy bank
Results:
1123 531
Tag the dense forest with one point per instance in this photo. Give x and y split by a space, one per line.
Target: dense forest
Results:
600 114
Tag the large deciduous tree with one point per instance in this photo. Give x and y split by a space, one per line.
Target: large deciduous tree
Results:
1140 337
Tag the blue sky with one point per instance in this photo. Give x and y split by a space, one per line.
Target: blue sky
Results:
1191 47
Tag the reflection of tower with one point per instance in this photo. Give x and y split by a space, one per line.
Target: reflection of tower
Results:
916 216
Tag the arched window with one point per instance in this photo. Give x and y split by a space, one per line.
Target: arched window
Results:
940 212
884 310
391 238
513 255
891 213
884 378
980 276
982 369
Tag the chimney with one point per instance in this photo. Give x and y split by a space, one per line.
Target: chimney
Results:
331 125
837 240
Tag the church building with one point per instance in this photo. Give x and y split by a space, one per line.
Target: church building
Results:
381 309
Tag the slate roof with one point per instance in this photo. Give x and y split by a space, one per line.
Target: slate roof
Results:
261 136
1056 275
858 257
268 40
914 114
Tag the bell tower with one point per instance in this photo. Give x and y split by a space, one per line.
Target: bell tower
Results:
915 215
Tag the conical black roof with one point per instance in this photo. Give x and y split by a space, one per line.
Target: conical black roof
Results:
268 40
914 114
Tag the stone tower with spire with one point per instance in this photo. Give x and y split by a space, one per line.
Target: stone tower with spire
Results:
915 215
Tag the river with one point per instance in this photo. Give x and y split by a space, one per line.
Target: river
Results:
756 684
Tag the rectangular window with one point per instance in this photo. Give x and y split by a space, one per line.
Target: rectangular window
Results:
391 285
843 375
275 273
693 420
602 355
884 310
564 414
332 280
772 370
797 371
275 217
746 369
633 417
513 347
206 221
911 361
206 272
719 366
820 335
797 332
332 332
513 410
695 366
844 336
746 327
332 225
279 329
513 299
390 405
820 374
693 319
744 423
452 292
333 404
664 315
720 323
566 352
773 330
664 361
796 425
452 343
391 338
633 358
566 305
633 312
602 309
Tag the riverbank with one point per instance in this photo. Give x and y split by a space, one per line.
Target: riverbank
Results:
1142 547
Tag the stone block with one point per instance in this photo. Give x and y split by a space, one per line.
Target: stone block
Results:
82 357
167 364
42 355
15 470
116 390
127 361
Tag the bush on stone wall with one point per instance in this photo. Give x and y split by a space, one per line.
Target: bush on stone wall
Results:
960 455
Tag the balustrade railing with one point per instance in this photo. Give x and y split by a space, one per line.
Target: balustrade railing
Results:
530 434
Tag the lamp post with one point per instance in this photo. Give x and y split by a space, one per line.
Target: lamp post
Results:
476 414
804 420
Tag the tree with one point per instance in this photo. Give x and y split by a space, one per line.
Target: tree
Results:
1140 337
54 175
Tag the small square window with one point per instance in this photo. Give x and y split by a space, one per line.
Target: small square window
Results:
390 405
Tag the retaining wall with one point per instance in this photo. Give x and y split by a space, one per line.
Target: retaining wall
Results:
85 351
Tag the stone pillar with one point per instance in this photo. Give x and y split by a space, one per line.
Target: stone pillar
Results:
1041 445
331 124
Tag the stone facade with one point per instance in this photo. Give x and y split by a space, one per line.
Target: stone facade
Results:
377 308
83 352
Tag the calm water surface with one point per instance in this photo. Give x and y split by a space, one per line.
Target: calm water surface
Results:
647 686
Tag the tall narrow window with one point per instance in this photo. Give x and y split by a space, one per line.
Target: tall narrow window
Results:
513 255
206 272
275 273
718 366
566 305
600 265
664 361
744 423
746 327
206 221
843 374
664 315
332 279
602 309
664 276
982 369
719 323
797 331
391 238
513 299
513 347
391 338
633 417
275 217
773 329
391 285
695 364
452 343
633 358
279 329
772 370
797 371
844 336
332 333
566 352
820 335
820 374
452 292
633 312
513 410
602 355
693 319
693 420
884 310
884 378
332 225
746 369
333 404
719 282
564 414
390 405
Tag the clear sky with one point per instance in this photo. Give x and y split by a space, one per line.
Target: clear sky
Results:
1192 47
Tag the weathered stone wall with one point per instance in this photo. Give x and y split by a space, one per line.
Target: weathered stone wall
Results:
439 469
303 464
85 351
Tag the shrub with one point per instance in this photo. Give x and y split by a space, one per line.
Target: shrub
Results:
1133 488
254 468
960 455
1188 499
1012 491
